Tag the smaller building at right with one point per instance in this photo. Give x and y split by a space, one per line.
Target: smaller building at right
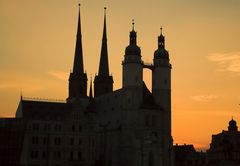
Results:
225 147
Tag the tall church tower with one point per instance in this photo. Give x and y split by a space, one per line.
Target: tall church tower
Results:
103 82
77 78
161 89
132 64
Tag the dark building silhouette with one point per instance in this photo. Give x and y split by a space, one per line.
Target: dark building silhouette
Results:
77 78
224 150
186 155
225 147
128 126
12 131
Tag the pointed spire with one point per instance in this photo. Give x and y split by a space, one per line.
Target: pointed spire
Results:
161 39
104 67
90 91
78 58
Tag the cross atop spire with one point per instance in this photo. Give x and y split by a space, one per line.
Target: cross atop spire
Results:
133 24
161 29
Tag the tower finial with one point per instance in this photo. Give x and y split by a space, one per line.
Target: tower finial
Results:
133 24
161 29
105 10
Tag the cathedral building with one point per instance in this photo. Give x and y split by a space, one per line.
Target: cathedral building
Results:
128 126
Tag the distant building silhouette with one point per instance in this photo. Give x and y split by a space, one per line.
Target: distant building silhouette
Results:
224 150
225 147
128 126
186 155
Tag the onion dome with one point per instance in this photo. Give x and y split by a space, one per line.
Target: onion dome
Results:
132 48
232 125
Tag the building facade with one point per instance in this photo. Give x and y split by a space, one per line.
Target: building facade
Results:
128 126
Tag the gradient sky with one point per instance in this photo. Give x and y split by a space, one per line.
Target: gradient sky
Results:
37 42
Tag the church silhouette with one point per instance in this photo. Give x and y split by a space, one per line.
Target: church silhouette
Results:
128 126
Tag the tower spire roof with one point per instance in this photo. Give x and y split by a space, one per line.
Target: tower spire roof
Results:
78 58
103 66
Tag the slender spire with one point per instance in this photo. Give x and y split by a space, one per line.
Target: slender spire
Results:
78 58
161 29
104 67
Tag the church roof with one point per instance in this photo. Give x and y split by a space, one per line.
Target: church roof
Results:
32 109
148 101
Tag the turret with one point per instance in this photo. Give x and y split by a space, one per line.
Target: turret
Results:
232 126
161 89
132 63
103 82
77 78
161 74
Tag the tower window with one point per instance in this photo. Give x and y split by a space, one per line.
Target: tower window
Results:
57 141
72 141
165 81
79 156
147 120
73 128
44 140
136 78
71 156
80 128
43 154
151 159
80 141
153 120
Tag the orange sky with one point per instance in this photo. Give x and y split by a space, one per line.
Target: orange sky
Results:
37 41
